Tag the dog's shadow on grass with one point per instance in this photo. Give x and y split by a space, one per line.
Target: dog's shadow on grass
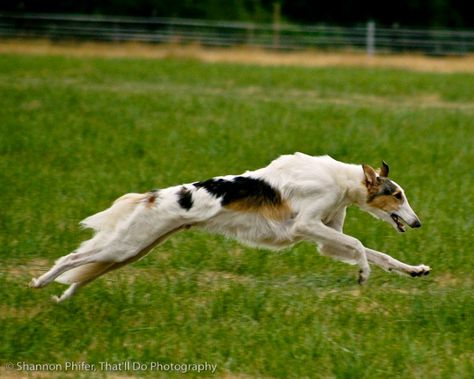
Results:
147 288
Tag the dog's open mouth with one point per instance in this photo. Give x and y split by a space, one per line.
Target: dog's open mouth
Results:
398 222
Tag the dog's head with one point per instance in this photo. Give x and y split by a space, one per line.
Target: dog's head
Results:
386 200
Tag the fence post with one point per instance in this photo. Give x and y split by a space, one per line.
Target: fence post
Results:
370 38
250 34
276 24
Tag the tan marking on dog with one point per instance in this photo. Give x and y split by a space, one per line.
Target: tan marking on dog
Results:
150 198
387 203
373 190
87 272
279 211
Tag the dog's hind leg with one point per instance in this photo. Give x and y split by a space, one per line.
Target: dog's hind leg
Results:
159 215
71 290
87 274
389 263
116 244
68 293
91 264
62 265
83 275
145 223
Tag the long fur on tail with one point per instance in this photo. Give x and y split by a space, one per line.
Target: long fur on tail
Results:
107 220
104 222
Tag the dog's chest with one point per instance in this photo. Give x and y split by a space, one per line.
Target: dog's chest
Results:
252 229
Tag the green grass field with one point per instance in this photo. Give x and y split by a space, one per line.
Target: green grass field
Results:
77 133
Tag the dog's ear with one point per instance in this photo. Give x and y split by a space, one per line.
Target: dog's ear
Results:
384 170
370 176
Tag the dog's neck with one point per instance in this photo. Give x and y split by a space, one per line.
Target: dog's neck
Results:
354 184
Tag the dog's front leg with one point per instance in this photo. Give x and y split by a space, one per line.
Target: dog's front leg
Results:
336 245
389 263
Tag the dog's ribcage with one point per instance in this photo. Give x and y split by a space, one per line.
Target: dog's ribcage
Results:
243 207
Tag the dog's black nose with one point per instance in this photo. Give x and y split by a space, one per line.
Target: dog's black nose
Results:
416 224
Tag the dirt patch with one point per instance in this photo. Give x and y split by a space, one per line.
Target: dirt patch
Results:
245 55
302 98
450 280
218 279
32 268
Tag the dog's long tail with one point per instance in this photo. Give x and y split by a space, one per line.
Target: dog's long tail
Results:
109 219
103 223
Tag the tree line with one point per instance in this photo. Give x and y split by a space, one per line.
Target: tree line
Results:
402 13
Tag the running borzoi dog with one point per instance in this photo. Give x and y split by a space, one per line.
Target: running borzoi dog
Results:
297 197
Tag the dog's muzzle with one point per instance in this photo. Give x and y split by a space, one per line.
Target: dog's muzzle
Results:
415 224
399 221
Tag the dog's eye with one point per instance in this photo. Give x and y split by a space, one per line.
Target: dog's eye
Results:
398 196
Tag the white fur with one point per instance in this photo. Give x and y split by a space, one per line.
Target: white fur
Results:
317 189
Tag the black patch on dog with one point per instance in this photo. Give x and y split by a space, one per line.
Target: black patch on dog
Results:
388 187
385 188
239 188
185 199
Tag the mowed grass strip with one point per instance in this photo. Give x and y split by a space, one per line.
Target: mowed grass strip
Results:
77 133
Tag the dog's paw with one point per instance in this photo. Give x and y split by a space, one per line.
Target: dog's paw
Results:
363 276
35 283
56 299
420 270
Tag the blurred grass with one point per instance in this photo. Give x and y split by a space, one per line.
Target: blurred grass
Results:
77 133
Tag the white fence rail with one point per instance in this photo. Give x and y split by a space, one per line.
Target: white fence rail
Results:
219 33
